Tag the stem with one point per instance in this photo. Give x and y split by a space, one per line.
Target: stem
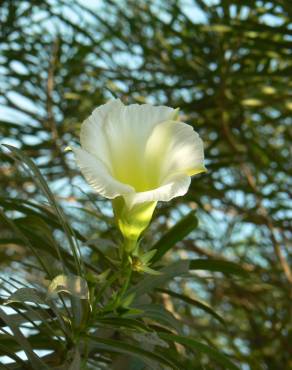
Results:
85 353
129 246
100 293
126 268
126 284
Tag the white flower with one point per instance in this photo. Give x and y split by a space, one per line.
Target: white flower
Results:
139 152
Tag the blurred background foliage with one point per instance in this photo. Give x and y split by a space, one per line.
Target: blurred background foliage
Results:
226 64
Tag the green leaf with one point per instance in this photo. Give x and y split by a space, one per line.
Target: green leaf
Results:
36 175
112 345
177 233
194 302
201 347
10 352
25 295
149 270
36 362
146 257
30 315
158 313
225 267
149 283
150 339
140 262
120 322
24 239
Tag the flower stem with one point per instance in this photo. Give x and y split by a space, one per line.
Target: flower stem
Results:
129 246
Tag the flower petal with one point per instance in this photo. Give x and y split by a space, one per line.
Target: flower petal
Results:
117 135
92 133
174 148
176 187
134 120
127 132
139 151
98 176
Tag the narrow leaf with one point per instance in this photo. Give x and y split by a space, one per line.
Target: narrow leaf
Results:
129 349
225 267
201 347
177 233
149 283
36 362
194 302
25 295
22 158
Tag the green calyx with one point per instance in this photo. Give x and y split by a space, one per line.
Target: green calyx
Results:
132 221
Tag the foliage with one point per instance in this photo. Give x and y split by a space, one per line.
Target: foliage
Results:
226 66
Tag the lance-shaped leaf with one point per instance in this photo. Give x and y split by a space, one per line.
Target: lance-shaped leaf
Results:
194 302
201 348
25 295
149 283
212 264
177 233
35 361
